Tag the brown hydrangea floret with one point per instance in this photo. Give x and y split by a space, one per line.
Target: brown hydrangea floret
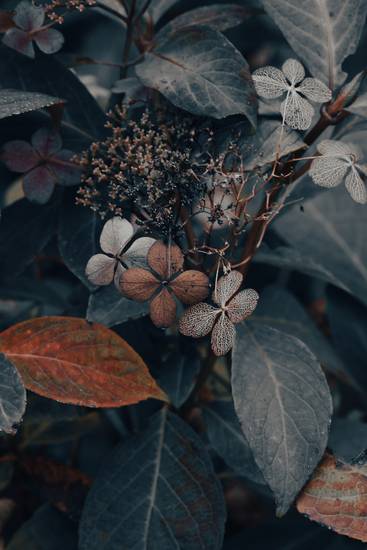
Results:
233 307
165 280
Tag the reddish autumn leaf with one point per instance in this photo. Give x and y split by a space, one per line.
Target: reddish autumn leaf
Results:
73 361
336 496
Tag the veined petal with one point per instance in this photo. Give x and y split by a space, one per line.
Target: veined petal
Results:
191 286
19 156
100 269
138 284
328 171
223 335
46 142
19 41
293 71
115 234
356 186
269 82
136 254
165 260
226 287
38 184
333 148
198 320
242 305
297 112
314 89
163 309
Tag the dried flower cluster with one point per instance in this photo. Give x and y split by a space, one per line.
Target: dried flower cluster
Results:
146 166
52 6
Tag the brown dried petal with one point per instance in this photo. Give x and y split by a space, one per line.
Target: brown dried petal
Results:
163 309
198 320
242 305
223 335
226 287
190 286
165 260
138 284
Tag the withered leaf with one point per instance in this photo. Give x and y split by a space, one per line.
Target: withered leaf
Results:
73 361
336 496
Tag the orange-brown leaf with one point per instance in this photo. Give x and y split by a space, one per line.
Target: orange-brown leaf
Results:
336 496
73 361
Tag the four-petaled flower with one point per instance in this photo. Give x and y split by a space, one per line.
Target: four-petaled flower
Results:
233 307
297 112
120 252
165 280
28 28
43 162
338 163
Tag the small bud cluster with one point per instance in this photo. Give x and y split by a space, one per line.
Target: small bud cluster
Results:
52 6
148 165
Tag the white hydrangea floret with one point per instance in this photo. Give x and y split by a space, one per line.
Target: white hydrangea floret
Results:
297 111
337 163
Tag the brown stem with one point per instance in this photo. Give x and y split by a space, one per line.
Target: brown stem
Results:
330 116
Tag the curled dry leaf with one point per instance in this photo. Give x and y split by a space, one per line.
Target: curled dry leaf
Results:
232 307
163 282
336 496
73 361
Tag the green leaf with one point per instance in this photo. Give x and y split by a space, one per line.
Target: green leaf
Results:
12 396
14 102
109 307
331 222
284 405
158 491
227 439
323 33
200 71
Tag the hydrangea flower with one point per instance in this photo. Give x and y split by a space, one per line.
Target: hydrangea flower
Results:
29 28
43 162
120 252
164 282
297 112
339 163
232 307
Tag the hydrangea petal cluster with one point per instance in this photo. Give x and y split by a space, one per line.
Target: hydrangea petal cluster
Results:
165 281
296 108
338 162
232 307
120 252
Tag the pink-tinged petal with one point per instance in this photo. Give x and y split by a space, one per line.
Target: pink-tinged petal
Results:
165 260
269 82
49 40
328 171
115 234
19 41
29 17
39 184
100 269
190 287
356 186
198 320
315 90
65 170
293 71
223 336
136 254
19 156
242 305
163 309
47 142
226 287
138 284
297 112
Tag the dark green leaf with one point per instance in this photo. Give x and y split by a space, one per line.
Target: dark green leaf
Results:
12 396
14 102
156 491
200 71
331 222
284 405
227 439
109 307
348 438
